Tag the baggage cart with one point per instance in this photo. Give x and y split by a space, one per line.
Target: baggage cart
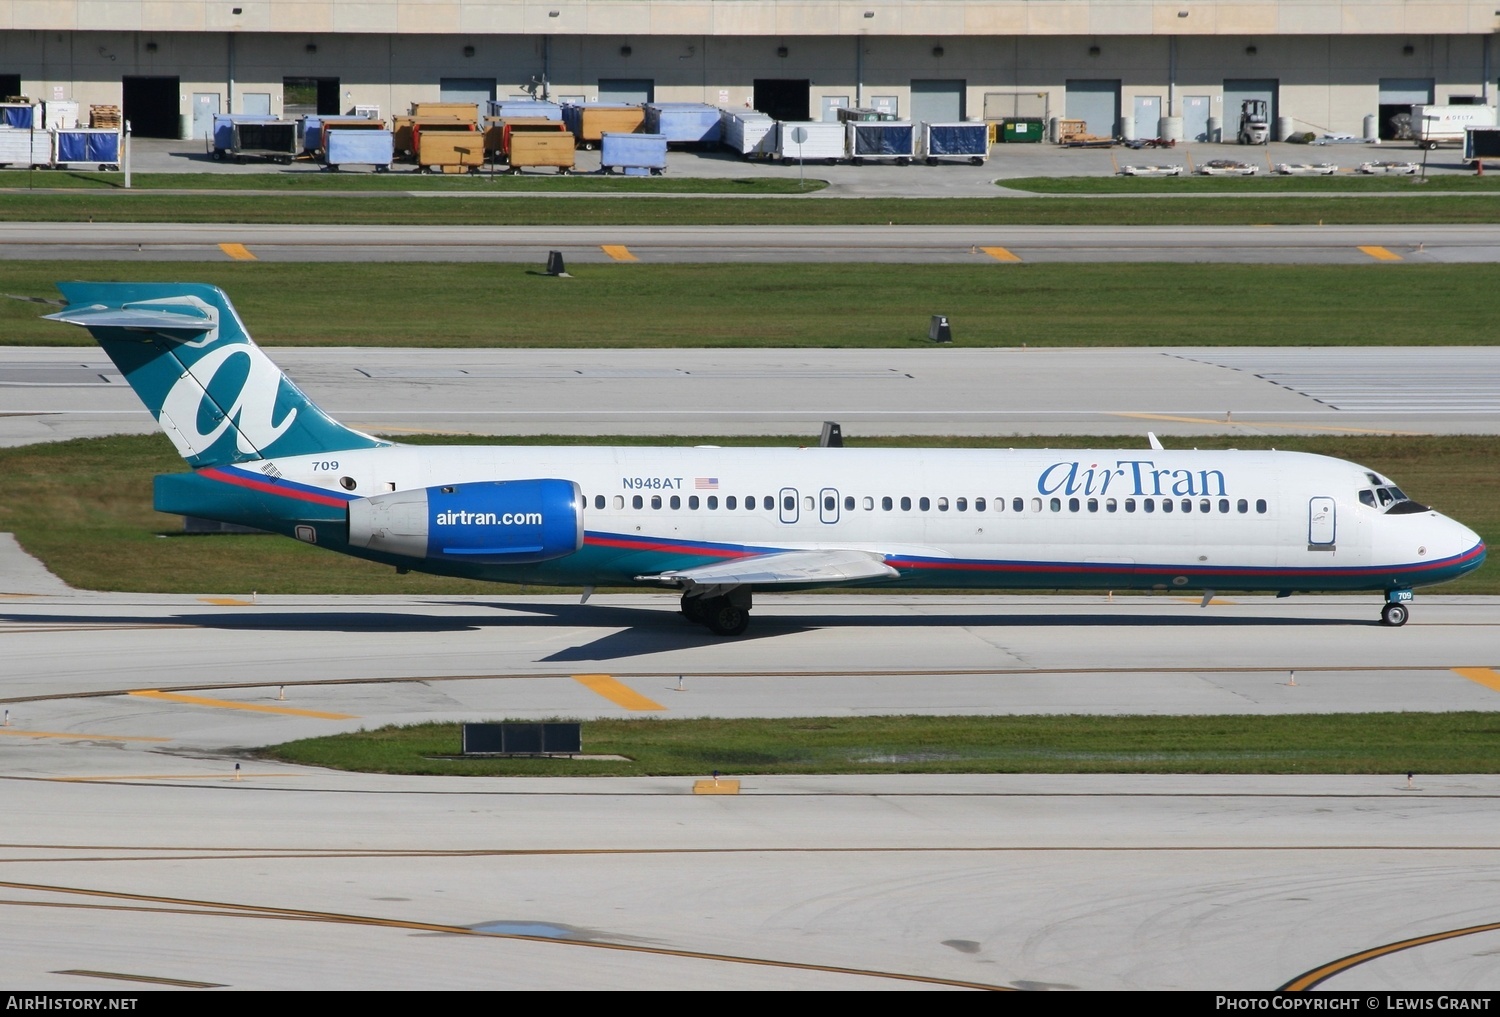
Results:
274 140
683 123
498 132
315 127
465 111
590 121
543 148
863 114
968 140
750 135
511 109
633 154
24 147
21 115
819 140
86 146
345 146
403 128
221 141
59 113
881 140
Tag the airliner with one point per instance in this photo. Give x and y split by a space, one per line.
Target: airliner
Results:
719 524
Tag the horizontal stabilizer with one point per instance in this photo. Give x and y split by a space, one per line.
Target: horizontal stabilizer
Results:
785 567
185 323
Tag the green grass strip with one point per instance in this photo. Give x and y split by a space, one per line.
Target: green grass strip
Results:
388 183
84 508
808 305
309 208
1371 743
1338 184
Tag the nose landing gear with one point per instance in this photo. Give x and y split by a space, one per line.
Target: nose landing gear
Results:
1395 612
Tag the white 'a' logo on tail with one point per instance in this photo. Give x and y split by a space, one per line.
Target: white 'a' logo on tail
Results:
250 413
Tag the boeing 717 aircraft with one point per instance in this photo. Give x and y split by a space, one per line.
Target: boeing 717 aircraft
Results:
719 524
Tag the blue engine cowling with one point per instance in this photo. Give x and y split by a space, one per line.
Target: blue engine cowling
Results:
502 522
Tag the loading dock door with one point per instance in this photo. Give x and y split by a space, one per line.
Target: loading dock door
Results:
630 91
1096 103
151 106
937 101
1397 97
479 91
10 84
784 98
1237 91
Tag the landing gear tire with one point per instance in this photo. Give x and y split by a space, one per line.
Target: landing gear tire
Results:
724 618
1394 615
693 609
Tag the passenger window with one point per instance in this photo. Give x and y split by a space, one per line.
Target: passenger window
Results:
886 503
1129 504
1056 505
790 503
979 505
809 503
692 501
1260 505
598 501
676 502
1148 505
767 502
1072 504
962 504
1166 505
942 504
1110 505
1093 504
619 501
869 504
849 503
730 502
656 501
713 501
1036 504
925 504
830 503
637 502
1187 504
1243 506
905 504
1223 504
1205 505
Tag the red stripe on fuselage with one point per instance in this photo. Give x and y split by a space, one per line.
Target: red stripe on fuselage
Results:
269 487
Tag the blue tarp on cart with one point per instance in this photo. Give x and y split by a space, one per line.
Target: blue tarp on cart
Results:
633 151
684 123
359 148
876 139
962 139
17 115
84 145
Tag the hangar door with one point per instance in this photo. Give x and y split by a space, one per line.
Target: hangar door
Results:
1096 102
937 101
1237 91
1397 97
479 91
630 91
151 105
783 98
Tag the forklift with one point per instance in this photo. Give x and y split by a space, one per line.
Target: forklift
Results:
1255 124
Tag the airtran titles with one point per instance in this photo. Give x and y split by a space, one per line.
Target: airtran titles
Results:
1128 477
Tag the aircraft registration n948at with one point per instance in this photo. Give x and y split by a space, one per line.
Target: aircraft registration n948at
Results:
720 523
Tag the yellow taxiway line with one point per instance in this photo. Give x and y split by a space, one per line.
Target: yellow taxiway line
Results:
615 692
619 252
226 704
1380 253
1000 254
19 733
237 251
1260 424
1486 676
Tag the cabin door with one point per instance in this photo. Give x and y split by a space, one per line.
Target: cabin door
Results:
1321 522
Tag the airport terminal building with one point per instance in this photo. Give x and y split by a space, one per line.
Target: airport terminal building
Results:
1321 65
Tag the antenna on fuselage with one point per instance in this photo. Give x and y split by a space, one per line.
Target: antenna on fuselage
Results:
1155 441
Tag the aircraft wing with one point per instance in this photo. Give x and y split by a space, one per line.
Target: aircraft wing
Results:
831 566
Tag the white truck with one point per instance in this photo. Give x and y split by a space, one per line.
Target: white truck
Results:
1434 125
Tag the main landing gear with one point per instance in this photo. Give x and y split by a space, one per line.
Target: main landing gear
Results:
1396 612
724 614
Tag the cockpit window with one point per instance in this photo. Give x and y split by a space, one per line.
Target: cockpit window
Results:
1367 498
1385 496
1392 501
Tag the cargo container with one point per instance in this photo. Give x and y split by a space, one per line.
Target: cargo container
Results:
86 146
510 109
749 134
634 154
465 111
314 127
542 148
402 129
275 140
222 140
1020 130
25 147
19 115
819 140
881 140
591 120
59 113
1435 125
864 114
345 146
448 147
498 132
966 140
683 123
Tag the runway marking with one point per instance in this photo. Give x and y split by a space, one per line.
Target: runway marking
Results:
226 704
237 252
116 976
1380 253
1316 976
226 601
175 905
1258 424
619 252
716 787
109 778
1000 254
79 734
615 692
1486 676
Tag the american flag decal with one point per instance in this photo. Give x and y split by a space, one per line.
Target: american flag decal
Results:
706 483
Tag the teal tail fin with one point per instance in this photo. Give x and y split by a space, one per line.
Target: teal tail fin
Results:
214 392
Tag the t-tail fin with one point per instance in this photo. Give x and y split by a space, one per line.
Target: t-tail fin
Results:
214 392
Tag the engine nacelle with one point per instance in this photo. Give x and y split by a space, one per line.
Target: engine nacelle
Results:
496 522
